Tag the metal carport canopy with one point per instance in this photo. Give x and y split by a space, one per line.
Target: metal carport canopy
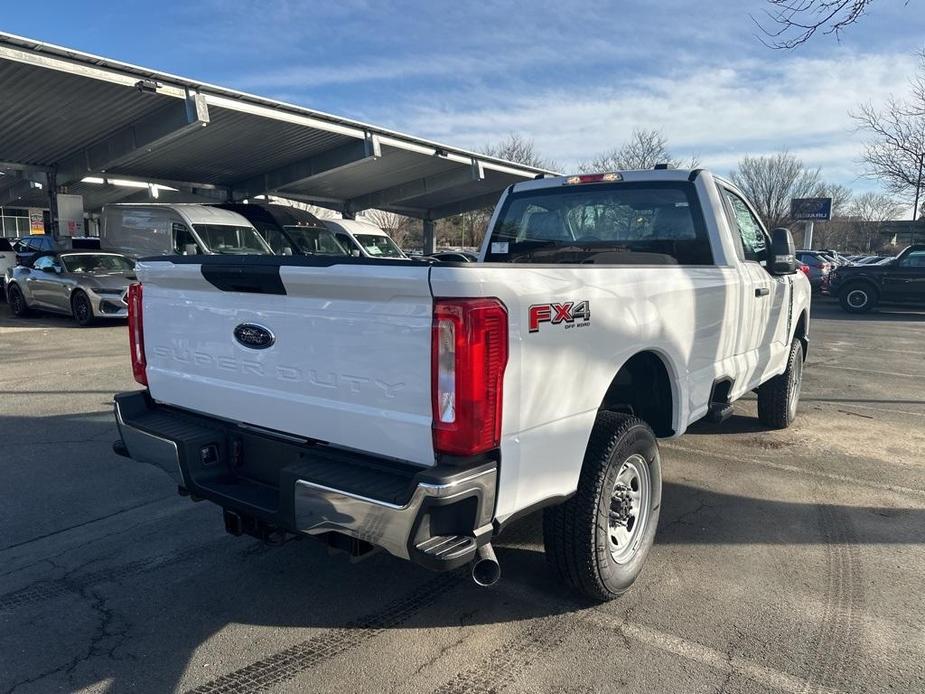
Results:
68 115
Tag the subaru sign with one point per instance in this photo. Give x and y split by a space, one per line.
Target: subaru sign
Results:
811 209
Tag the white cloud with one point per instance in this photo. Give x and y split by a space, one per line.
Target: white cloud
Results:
717 113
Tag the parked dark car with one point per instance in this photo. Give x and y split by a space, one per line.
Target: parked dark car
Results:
900 280
288 230
454 257
28 247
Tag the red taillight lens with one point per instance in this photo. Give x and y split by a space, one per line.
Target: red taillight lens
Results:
469 355
136 334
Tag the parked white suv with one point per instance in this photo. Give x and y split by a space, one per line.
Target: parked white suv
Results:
421 408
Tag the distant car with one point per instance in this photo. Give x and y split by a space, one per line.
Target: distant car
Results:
28 247
84 284
288 230
454 257
819 266
363 239
899 280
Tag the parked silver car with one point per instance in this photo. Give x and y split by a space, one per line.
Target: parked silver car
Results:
84 284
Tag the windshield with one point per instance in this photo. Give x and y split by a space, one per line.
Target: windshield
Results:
379 246
613 223
232 240
90 262
314 241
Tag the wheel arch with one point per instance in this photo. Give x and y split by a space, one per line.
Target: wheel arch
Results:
657 402
801 331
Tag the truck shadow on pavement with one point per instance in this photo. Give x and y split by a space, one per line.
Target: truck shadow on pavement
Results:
142 608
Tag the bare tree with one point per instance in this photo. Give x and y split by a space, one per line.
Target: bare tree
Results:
894 153
790 23
643 150
405 231
770 182
833 233
866 216
520 150
467 229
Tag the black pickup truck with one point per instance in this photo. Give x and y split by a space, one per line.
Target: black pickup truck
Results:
901 280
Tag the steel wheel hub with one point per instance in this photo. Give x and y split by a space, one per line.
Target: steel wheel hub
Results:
629 508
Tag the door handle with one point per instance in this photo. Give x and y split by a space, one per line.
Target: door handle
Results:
762 291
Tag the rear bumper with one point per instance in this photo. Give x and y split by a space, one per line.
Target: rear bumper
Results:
435 516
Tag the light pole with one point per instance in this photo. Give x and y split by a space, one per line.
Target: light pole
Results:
918 189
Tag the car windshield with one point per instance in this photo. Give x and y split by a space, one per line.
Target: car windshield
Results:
232 239
96 263
314 241
612 223
379 246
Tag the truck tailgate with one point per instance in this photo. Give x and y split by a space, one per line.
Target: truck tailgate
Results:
350 356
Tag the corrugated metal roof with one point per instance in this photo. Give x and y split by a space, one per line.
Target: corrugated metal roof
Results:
75 112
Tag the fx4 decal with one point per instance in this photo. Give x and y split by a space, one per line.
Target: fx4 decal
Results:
567 312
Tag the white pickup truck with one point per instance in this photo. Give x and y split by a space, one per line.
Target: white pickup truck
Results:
420 408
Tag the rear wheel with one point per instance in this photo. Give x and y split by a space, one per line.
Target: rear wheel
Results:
598 540
859 297
81 309
778 398
17 301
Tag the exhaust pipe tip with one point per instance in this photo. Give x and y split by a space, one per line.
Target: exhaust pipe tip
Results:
485 567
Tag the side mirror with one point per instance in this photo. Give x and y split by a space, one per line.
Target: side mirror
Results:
355 253
286 251
783 260
190 249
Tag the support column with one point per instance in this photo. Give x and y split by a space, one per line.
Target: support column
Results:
808 234
430 239
51 181
348 214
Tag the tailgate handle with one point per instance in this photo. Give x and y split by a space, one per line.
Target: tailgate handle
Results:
253 279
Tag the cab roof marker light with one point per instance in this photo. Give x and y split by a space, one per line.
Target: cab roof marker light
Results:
593 178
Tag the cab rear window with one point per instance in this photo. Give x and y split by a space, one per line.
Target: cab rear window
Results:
608 224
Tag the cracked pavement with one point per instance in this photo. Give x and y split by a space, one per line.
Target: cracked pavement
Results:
785 561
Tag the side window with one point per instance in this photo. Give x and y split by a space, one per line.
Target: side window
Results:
347 243
754 243
183 241
916 259
277 241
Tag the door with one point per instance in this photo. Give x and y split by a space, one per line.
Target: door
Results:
762 318
40 282
905 281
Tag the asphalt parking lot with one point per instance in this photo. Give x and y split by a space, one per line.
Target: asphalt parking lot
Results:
785 561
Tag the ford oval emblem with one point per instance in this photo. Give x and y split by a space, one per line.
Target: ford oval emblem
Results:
254 336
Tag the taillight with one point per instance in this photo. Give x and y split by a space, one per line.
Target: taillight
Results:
469 353
136 334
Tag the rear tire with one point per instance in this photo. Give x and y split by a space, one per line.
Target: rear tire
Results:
598 540
858 297
17 301
778 398
81 309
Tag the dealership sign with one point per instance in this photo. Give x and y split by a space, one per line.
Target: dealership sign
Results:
811 209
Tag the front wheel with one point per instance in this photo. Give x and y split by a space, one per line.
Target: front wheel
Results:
82 310
598 540
778 398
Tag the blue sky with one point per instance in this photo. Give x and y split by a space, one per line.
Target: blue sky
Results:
576 77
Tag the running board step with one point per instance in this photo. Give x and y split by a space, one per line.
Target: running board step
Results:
719 411
448 547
